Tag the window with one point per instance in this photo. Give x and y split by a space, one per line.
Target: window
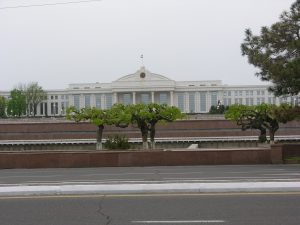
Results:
227 101
108 101
258 101
203 101
229 93
163 99
98 101
192 102
240 93
42 108
269 100
181 101
251 93
145 98
251 101
126 99
87 101
77 101
62 108
54 108
213 97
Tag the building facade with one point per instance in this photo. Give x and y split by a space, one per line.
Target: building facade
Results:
144 86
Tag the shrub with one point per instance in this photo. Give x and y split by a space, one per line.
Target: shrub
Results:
117 142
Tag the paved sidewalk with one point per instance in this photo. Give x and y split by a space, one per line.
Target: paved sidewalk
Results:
130 180
73 189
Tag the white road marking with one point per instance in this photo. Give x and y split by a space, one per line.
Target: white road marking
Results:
178 221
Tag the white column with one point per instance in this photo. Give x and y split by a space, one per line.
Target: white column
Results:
152 96
133 98
59 107
171 98
49 109
93 100
115 98
81 101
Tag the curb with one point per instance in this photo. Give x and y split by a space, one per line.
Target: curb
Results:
79 189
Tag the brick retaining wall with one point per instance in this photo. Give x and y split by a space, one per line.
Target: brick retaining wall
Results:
133 158
64 159
185 128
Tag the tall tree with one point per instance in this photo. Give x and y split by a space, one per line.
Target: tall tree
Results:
276 52
34 95
3 105
17 103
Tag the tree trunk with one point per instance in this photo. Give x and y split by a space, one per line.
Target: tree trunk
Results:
153 144
272 130
272 134
99 137
263 135
144 138
152 136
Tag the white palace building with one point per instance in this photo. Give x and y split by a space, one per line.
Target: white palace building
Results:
144 86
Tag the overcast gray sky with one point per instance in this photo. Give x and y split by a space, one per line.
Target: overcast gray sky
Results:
102 41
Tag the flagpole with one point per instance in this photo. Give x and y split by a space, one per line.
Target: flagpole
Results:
142 59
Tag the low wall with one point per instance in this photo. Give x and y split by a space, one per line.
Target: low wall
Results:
75 159
45 130
92 146
132 158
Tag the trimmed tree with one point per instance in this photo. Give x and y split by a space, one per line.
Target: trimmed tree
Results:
140 116
118 115
145 117
161 113
262 117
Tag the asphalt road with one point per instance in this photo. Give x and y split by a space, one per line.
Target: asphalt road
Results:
132 175
233 209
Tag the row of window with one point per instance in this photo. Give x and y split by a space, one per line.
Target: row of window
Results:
99 104
246 93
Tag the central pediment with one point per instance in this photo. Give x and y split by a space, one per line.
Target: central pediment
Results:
143 75
143 80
